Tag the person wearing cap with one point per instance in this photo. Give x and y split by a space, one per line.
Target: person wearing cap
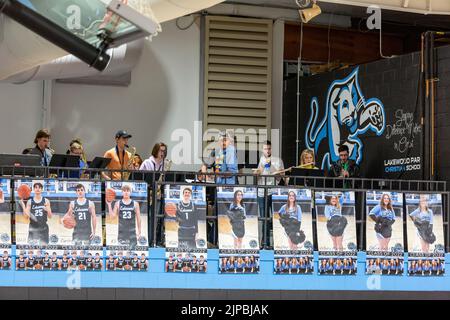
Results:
120 158
41 141
223 159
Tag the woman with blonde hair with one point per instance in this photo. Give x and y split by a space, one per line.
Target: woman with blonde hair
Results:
307 160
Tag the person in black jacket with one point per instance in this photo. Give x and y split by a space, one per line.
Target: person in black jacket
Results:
344 167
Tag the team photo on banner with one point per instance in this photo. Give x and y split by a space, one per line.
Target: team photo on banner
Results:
126 226
58 225
5 224
185 228
384 233
336 232
292 231
425 234
237 211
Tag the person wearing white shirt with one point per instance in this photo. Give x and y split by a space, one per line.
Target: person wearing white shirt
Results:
268 165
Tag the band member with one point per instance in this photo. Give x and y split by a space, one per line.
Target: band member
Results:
336 223
38 209
423 220
137 162
268 165
384 216
76 149
291 220
129 217
42 142
120 158
83 211
223 159
156 160
237 215
307 160
344 167
187 217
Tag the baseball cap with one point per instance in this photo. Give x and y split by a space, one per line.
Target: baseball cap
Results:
123 134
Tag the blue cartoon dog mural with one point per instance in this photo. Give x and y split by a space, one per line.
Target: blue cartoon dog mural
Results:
347 116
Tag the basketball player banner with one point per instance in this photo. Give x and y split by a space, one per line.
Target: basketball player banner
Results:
58 225
185 228
425 234
126 226
292 231
5 224
336 232
384 233
237 211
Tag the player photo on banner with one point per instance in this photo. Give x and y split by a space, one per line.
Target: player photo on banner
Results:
5 224
237 211
336 232
185 228
126 205
425 234
384 233
58 224
292 231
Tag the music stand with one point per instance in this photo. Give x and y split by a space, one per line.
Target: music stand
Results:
64 161
98 163
16 161
304 173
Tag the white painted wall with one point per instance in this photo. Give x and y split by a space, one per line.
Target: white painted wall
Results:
21 109
163 96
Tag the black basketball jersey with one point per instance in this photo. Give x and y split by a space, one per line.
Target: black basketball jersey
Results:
21 264
89 264
38 260
81 261
73 262
201 266
120 263
97 264
127 261
5 263
135 264
170 266
110 265
143 264
37 210
194 266
186 215
64 264
187 264
30 262
54 264
127 217
46 263
179 265
82 217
